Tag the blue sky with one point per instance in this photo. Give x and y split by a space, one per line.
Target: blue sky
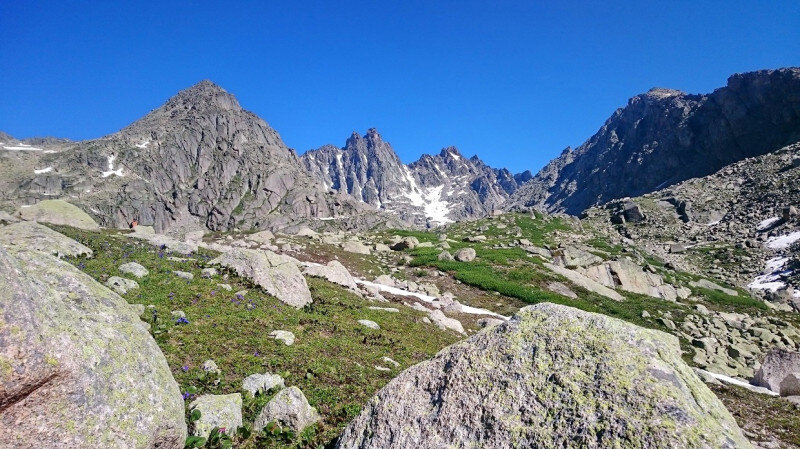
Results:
514 82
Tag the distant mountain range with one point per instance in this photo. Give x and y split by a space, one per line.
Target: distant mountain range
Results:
200 160
433 190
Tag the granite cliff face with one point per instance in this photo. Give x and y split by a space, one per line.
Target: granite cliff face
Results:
198 160
666 136
434 190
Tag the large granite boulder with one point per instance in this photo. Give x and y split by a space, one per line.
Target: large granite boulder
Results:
58 212
289 408
334 272
552 376
780 372
77 366
629 276
31 235
277 274
217 410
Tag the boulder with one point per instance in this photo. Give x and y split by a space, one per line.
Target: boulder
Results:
285 336
289 408
30 235
184 275
552 376
165 242
78 367
210 366
262 383
465 255
561 289
705 283
369 324
121 285
780 372
446 256
134 269
223 411
263 237
356 247
208 273
677 248
58 212
582 281
629 276
443 322
573 257
334 272
405 243
278 275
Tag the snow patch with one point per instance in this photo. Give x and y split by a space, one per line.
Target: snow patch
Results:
21 147
771 279
144 144
738 382
784 241
430 200
43 170
111 170
764 224
426 298
437 209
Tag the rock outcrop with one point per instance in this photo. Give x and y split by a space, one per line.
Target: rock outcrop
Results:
552 376
58 212
277 274
33 236
780 372
666 136
78 367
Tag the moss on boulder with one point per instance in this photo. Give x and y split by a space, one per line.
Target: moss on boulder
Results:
77 366
551 377
58 212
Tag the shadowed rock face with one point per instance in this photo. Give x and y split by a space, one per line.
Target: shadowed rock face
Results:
434 190
666 136
198 160
77 366
552 376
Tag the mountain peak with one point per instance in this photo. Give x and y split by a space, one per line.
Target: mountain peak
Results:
661 92
450 152
203 95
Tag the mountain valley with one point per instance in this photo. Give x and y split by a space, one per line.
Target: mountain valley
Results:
191 281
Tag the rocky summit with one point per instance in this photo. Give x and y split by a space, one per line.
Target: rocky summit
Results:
434 190
665 136
191 281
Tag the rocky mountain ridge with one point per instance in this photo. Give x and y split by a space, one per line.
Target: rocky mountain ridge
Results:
434 190
666 136
200 160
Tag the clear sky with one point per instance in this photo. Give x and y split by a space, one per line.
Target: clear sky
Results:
514 82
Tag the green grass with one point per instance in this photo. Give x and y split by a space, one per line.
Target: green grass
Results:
743 303
333 360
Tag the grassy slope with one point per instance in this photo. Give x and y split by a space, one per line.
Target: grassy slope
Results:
333 360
